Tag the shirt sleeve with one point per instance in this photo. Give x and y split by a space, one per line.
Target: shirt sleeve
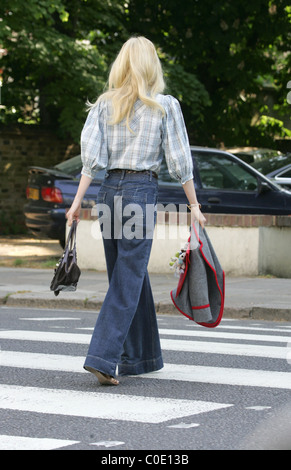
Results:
94 153
175 142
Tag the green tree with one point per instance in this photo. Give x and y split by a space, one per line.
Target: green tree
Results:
55 56
217 57
230 47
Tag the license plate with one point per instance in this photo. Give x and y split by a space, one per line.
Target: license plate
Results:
33 193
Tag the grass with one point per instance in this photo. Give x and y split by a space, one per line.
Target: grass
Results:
29 262
18 262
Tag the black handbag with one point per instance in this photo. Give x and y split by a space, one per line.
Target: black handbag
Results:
67 272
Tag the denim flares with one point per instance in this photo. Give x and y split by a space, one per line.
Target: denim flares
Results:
126 332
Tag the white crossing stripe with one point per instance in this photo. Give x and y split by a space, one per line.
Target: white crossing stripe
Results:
107 443
29 360
50 319
28 335
205 333
32 443
238 349
101 405
234 349
222 327
223 375
254 328
181 372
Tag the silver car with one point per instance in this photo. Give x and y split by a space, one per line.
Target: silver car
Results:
271 163
282 176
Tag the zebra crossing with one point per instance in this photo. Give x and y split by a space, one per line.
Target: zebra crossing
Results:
194 357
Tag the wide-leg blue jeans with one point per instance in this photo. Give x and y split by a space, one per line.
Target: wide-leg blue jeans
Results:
126 332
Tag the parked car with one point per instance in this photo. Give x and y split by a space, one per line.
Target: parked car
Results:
277 169
272 163
224 184
282 176
253 155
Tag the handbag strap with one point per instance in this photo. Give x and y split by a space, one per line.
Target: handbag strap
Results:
71 240
72 235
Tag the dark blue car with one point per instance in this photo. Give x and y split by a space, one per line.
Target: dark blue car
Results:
224 184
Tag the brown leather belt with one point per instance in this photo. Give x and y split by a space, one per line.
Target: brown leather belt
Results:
144 172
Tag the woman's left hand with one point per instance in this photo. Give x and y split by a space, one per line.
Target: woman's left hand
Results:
196 214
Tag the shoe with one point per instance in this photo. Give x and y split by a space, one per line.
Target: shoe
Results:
104 379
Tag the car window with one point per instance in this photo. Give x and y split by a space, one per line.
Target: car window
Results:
285 174
218 171
164 173
266 166
72 166
165 178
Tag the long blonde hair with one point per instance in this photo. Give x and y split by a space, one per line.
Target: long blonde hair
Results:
135 73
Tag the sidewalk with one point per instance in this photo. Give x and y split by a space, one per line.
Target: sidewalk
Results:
246 297
257 298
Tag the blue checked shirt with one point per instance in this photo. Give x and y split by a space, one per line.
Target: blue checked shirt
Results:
154 136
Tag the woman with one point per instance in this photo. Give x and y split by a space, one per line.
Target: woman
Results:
127 131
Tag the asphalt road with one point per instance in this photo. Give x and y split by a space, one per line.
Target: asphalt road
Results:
227 388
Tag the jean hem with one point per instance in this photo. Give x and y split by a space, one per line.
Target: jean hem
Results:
141 367
98 363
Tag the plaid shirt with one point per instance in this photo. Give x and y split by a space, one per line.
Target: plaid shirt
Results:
114 146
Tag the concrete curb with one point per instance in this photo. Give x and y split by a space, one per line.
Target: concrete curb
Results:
256 298
162 308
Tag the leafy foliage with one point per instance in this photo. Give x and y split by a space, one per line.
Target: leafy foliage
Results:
227 46
54 59
227 62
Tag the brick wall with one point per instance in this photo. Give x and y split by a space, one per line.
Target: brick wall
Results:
217 220
20 148
248 220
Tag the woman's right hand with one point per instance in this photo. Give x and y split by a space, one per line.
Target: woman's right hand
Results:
75 209
74 213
